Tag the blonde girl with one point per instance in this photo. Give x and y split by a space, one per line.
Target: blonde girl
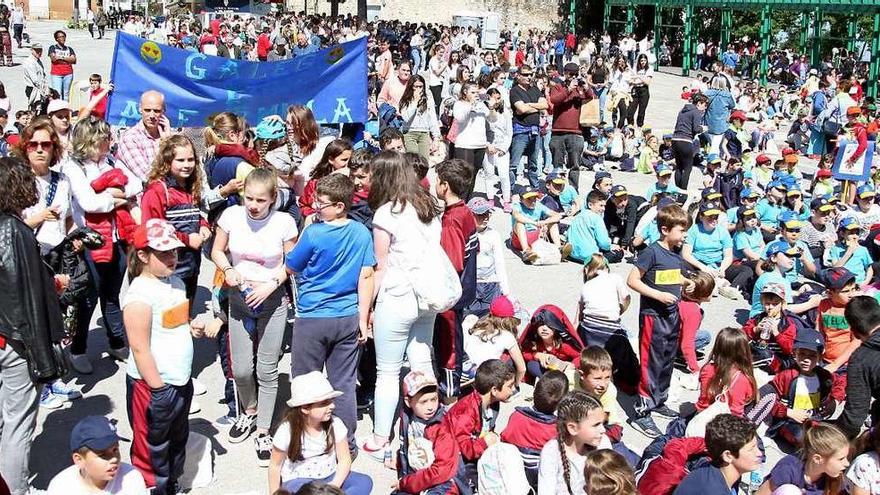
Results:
311 443
649 155
493 335
228 160
579 430
173 194
818 467
607 473
249 248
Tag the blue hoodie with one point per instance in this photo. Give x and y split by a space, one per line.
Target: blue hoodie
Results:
705 481
721 103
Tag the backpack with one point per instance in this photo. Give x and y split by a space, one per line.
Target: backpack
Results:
500 471
434 280
697 425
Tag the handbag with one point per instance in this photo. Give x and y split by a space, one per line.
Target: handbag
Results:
697 425
434 280
589 116
830 126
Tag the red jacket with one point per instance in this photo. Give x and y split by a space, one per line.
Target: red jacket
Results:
445 465
554 317
664 473
465 423
784 340
158 199
307 198
567 107
103 222
263 45
740 392
831 385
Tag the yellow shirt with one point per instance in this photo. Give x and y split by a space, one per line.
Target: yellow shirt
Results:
608 401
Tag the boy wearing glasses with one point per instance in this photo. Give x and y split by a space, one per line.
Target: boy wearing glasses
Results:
332 264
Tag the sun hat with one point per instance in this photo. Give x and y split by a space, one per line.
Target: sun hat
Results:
310 388
157 234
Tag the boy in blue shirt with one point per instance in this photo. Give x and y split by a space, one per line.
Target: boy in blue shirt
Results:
732 443
790 231
333 266
748 198
769 208
663 184
559 196
848 253
532 220
588 235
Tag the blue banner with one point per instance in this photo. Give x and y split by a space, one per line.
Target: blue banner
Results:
332 82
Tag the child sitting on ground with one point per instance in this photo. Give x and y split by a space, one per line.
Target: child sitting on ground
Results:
732 443
549 342
806 392
849 253
530 428
664 183
492 278
817 468
493 335
560 196
840 342
532 220
772 331
863 476
472 419
729 369
428 456
588 234
97 465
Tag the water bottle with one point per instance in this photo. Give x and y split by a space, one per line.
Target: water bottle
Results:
249 321
246 290
755 481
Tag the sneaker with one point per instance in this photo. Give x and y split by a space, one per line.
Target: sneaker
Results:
263 445
730 292
529 256
194 407
244 425
81 363
224 421
645 425
565 250
64 390
665 411
375 453
199 387
120 354
48 400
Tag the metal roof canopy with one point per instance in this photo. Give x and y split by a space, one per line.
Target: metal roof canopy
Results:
812 8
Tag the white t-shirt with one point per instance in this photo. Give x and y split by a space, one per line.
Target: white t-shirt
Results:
550 477
864 473
315 464
171 345
409 236
51 234
256 247
480 351
603 295
128 481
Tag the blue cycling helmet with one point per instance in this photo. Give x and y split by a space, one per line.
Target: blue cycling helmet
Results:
271 129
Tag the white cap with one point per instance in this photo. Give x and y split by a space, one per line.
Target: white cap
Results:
56 105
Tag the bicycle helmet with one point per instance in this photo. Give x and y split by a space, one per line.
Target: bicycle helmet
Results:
271 129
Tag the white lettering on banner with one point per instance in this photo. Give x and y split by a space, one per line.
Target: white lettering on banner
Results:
192 72
183 116
310 105
342 110
229 70
130 111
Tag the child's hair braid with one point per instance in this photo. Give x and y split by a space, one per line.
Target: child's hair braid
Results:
573 408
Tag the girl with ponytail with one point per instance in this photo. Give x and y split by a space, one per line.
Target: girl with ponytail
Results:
579 430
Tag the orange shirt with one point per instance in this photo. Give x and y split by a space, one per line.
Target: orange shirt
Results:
834 328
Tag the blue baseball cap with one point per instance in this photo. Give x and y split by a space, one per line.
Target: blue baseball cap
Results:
749 193
865 191
619 190
808 338
783 247
663 169
557 178
777 184
794 191
745 211
711 193
789 219
821 204
94 432
849 223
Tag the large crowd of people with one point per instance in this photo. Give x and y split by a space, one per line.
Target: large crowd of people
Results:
366 251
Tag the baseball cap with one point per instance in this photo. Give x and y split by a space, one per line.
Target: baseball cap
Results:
789 219
715 160
808 338
663 170
853 110
795 191
783 247
823 173
571 67
848 223
556 177
57 105
745 211
36 46
863 192
738 115
711 193
619 190
94 432
791 158
608 129
814 72
665 200
157 234
774 288
837 277
762 158
667 136
710 208
777 184
601 175
529 192
749 193
416 381
479 206
502 307
821 204
788 150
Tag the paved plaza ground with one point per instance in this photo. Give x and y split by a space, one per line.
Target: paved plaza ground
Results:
236 471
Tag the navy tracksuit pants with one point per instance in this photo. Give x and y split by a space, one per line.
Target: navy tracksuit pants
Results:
658 346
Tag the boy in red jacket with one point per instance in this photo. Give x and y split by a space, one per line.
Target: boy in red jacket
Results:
472 419
428 457
772 332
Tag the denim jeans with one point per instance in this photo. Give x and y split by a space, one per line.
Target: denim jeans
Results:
416 56
400 329
602 93
528 144
354 484
107 279
62 85
545 153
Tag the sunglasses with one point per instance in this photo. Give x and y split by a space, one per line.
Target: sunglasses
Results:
43 145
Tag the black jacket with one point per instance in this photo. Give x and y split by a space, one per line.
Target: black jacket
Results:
30 314
623 226
862 383
689 123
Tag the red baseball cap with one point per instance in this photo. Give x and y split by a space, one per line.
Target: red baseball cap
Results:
502 307
823 173
762 158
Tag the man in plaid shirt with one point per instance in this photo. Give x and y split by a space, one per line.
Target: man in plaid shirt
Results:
138 146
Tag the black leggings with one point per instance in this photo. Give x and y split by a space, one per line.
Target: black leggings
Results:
435 92
742 277
640 97
622 113
684 161
475 158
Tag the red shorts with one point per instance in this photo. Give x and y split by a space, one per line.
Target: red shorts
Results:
531 237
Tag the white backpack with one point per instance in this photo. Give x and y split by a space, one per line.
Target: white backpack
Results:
434 279
500 471
696 427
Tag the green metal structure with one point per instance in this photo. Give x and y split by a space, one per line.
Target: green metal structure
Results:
809 40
